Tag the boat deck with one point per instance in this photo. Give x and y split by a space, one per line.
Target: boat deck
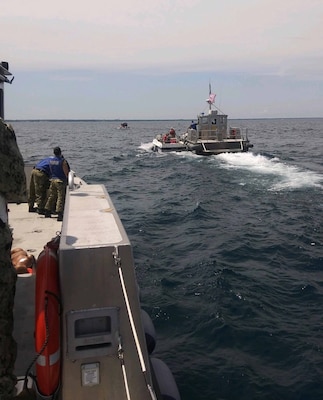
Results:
29 229
101 314
30 232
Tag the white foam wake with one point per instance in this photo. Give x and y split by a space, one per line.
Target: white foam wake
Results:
146 146
287 176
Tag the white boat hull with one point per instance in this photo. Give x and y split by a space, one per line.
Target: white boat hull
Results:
162 146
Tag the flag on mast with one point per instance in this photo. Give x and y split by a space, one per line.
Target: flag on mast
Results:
211 98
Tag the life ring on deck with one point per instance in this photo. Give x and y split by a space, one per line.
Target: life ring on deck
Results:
47 321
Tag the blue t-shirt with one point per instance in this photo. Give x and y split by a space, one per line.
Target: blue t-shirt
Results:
43 165
56 168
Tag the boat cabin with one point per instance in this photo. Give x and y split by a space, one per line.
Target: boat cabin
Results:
211 126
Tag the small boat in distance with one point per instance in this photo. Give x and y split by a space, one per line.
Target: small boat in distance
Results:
211 135
123 125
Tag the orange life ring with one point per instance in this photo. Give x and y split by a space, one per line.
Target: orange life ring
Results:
47 322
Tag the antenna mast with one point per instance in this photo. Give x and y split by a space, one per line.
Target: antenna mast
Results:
4 72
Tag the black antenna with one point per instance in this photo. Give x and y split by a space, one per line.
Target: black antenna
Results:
4 72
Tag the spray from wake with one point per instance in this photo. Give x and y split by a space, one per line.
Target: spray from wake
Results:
146 146
285 176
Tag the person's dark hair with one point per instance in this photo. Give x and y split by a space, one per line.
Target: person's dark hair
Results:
57 151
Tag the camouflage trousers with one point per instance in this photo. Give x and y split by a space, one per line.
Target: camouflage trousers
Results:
39 184
8 346
56 196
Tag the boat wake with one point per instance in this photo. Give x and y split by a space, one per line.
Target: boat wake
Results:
147 146
281 175
285 176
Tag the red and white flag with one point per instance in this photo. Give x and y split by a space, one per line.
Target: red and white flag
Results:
211 98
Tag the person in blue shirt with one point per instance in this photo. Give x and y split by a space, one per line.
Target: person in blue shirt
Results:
59 169
38 186
193 125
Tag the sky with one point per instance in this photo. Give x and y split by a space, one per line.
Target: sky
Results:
154 59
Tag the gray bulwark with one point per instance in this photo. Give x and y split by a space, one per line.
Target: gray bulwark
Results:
101 349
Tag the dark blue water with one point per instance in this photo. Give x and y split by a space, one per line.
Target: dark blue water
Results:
228 248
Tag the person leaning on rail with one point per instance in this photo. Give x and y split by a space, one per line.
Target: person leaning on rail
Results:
39 185
59 169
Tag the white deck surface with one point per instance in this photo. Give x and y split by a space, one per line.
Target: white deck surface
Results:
31 231
91 220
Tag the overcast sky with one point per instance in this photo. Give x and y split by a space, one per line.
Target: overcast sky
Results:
154 59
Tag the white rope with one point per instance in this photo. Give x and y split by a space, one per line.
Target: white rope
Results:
134 332
125 380
151 391
133 328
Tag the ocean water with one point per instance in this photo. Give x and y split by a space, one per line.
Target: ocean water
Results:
228 248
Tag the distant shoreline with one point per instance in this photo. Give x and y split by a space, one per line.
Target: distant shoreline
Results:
148 120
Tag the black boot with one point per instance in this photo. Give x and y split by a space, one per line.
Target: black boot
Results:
60 217
32 209
47 214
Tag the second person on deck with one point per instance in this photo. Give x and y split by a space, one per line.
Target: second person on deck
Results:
59 169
